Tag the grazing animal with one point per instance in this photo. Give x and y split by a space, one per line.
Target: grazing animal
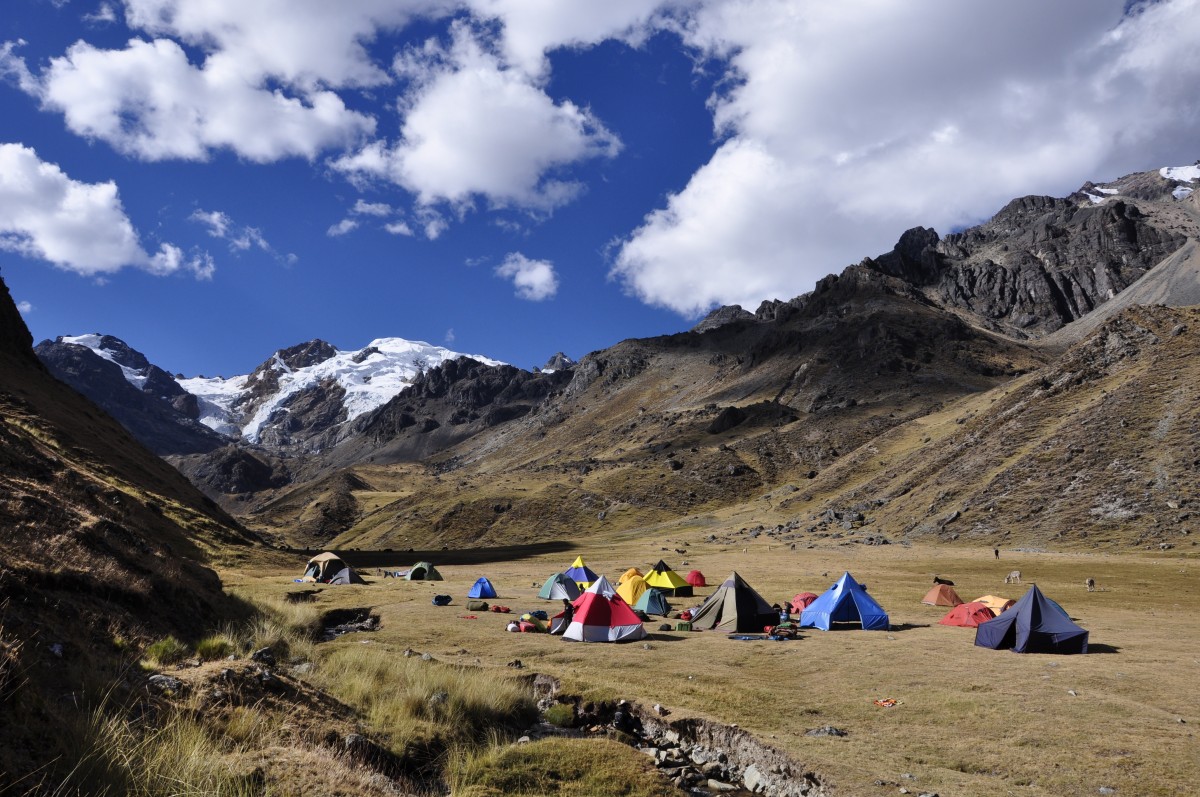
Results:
945 581
1090 584
1013 578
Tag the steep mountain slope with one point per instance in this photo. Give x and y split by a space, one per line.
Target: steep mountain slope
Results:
144 398
1041 263
102 542
1100 448
650 429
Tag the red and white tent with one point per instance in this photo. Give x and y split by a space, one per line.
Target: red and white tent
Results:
601 615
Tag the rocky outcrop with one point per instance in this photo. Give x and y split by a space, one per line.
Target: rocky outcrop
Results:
559 362
1039 264
235 470
721 316
306 415
449 404
161 414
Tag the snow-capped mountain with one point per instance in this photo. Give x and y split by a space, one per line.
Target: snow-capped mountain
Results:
297 394
364 379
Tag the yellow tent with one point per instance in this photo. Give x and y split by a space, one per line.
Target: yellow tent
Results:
997 605
664 578
632 589
628 574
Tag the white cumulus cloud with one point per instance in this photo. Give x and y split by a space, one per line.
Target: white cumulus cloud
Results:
25 308
341 228
534 280
77 226
839 129
476 128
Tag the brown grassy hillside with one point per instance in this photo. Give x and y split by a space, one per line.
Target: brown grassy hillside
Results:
104 546
651 430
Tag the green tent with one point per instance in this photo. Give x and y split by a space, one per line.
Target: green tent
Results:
653 601
423 571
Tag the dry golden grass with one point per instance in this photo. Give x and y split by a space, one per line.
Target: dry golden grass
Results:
971 721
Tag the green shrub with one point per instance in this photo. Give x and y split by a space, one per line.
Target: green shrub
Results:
217 646
561 715
166 651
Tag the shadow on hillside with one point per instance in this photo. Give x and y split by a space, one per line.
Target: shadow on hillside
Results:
400 560
1101 648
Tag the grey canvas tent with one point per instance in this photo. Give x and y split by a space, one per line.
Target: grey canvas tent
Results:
423 571
328 568
735 607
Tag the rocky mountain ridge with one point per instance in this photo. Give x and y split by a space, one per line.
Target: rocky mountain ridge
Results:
702 420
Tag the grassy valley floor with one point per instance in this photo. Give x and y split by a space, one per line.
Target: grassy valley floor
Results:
970 721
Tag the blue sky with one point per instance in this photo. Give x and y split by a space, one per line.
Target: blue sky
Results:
211 180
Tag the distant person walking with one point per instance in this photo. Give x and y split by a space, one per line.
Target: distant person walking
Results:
997 552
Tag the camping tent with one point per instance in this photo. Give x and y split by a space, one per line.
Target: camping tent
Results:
1035 624
997 605
846 601
696 579
423 571
580 573
482 588
967 615
328 568
735 606
803 600
557 587
602 616
632 589
653 601
942 595
628 574
668 580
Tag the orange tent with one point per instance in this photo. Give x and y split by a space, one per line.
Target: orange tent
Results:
967 615
942 595
802 600
997 605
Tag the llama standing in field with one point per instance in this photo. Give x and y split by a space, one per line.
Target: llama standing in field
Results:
1013 578
1090 584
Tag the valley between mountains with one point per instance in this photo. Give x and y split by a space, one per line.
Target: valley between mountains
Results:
1024 394
999 385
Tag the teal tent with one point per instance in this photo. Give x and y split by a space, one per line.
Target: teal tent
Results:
559 586
653 601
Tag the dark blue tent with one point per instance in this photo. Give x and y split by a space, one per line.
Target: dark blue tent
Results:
1034 624
846 601
482 589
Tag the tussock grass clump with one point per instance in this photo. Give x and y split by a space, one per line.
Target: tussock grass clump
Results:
289 629
216 646
557 767
561 715
166 651
180 756
412 700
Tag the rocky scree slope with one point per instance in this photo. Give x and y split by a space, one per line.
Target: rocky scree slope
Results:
1101 448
